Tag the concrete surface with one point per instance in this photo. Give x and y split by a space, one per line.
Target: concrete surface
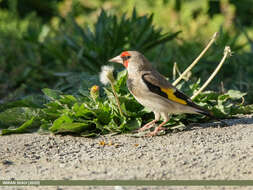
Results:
204 151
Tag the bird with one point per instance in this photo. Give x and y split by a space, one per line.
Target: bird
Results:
154 91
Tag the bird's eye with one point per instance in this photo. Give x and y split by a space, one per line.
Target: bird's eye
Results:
126 57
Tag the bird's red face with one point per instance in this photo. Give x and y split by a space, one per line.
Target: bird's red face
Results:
123 58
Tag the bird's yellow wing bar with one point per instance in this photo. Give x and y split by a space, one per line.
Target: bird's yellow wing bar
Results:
170 93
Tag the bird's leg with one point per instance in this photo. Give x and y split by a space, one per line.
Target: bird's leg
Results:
160 127
157 129
149 124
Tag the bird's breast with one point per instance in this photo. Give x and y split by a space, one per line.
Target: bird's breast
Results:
130 84
136 86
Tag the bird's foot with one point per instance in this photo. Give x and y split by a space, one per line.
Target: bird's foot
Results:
144 128
155 132
147 126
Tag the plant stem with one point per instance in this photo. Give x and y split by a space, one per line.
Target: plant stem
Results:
176 71
197 59
116 97
227 52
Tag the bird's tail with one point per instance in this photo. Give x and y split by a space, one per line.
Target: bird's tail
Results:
201 110
205 112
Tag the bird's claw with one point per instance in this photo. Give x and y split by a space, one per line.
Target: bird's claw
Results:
141 129
145 128
155 132
151 134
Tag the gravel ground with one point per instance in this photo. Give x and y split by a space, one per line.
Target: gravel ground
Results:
201 152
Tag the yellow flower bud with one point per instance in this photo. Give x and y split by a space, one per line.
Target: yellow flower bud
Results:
94 92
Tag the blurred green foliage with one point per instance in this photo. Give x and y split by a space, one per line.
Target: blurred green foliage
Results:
52 43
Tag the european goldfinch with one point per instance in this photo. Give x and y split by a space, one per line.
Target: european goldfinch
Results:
153 91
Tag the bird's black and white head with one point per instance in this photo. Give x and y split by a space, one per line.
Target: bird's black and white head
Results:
133 61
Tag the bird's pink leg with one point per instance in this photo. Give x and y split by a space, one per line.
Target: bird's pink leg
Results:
157 129
148 125
160 127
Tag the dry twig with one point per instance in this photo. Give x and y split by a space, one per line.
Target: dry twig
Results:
227 53
197 59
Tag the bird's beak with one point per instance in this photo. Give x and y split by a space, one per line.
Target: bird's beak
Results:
116 59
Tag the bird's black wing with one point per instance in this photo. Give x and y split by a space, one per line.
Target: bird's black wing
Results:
160 86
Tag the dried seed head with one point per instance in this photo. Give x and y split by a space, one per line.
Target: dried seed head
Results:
106 75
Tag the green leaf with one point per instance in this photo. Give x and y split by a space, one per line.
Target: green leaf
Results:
131 107
110 96
179 127
120 85
17 116
70 127
133 124
52 94
103 113
67 100
244 109
88 134
207 96
58 122
113 126
222 98
22 129
235 94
